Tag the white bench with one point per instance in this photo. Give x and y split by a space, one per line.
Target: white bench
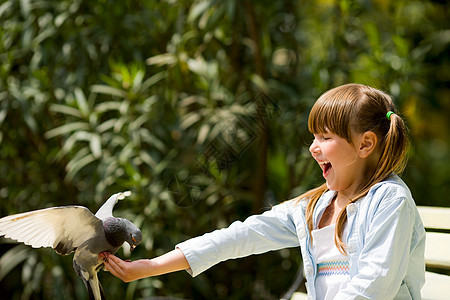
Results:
437 254
437 251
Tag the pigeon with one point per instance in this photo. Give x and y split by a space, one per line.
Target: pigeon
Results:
72 228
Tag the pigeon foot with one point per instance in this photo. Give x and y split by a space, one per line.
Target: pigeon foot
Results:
104 255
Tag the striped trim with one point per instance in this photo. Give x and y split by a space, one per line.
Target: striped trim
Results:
333 267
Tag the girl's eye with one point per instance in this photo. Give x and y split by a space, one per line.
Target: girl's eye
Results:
321 138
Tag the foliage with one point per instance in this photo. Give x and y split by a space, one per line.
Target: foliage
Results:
200 109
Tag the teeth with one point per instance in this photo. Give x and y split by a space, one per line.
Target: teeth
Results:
324 163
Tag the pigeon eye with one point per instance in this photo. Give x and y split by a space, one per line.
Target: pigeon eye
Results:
133 239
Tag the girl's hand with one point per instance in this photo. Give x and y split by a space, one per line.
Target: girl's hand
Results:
133 270
126 270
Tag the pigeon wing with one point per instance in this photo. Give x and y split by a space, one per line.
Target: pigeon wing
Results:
62 228
105 211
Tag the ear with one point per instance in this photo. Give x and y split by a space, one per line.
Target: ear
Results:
368 142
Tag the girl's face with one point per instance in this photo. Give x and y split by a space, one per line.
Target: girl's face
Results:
342 167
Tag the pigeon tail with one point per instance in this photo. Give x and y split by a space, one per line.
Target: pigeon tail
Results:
94 288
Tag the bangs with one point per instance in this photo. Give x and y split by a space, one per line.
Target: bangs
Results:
331 113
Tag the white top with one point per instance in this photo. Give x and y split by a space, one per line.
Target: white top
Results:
332 266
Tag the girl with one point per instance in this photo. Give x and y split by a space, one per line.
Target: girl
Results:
359 233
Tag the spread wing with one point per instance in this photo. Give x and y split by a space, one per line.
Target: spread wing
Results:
62 228
105 211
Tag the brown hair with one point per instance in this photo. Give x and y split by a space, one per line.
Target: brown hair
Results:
356 108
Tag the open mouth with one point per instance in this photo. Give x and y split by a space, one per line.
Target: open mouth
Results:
326 167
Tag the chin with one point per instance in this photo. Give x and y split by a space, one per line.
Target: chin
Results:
331 187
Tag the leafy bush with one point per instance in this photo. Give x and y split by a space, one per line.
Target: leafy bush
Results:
200 109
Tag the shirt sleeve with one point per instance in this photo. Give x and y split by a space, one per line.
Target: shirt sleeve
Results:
271 230
384 257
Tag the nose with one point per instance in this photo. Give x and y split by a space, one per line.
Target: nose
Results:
314 148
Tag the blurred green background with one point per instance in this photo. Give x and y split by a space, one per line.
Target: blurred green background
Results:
200 109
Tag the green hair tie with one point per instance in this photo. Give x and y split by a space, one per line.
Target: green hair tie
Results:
388 115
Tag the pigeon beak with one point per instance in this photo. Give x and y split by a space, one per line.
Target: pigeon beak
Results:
133 244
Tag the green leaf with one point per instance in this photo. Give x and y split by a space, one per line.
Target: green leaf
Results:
197 9
105 126
148 83
190 119
147 159
12 258
95 144
67 128
401 46
108 90
65 109
162 59
25 7
82 102
81 160
151 139
205 129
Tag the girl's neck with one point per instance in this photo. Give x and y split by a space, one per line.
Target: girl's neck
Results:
331 213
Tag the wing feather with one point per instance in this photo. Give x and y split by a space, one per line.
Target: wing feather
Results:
62 228
105 211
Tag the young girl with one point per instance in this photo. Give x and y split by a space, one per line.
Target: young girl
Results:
360 233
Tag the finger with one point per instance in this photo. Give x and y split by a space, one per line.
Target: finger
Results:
114 258
113 266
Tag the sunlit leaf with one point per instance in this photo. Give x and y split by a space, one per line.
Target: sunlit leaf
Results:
147 159
108 90
203 133
197 9
82 102
107 125
67 128
82 159
162 59
108 106
151 139
190 119
148 83
10 259
65 109
95 144
5 6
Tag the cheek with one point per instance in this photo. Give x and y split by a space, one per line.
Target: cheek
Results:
339 154
330 150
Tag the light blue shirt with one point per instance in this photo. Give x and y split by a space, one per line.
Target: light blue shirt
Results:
385 242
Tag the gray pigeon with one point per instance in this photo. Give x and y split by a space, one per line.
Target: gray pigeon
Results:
75 228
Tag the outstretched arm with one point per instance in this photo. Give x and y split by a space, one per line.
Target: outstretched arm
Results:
133 270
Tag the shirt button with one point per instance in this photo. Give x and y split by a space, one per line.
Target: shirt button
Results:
351 207
302 232
351 247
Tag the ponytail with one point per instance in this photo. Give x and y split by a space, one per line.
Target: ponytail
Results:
395 146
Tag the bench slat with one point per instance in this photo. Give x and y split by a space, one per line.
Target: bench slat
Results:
299 296
436 286
437 250
435 217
